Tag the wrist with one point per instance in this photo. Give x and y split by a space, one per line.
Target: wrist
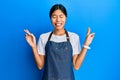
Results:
86 47
34 47
86 44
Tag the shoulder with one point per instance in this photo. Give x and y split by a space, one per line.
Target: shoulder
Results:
45 35
73 35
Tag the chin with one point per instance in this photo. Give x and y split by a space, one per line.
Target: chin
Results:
59 28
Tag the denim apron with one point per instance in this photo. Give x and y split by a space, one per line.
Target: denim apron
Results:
58 60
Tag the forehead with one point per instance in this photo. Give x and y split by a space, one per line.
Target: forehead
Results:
57 12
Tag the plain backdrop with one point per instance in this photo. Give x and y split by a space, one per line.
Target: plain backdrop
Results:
103 16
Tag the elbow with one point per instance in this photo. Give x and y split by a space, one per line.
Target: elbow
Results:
40 67
76 67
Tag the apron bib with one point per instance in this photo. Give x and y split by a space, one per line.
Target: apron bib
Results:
58 60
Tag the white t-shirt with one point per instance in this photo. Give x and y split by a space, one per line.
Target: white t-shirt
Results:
73 37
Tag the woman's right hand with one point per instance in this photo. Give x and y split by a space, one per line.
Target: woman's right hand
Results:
30 38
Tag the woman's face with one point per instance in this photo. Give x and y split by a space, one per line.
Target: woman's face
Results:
58 19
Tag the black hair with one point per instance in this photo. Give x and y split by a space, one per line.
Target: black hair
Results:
56 7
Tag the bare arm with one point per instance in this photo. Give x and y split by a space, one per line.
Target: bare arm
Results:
78 59
39 59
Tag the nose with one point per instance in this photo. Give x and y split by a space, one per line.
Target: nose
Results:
58 19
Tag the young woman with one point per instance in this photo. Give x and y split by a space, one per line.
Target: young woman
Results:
58 51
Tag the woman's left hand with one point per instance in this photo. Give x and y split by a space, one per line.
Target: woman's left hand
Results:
89 37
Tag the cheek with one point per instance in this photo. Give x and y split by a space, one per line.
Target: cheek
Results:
53 20
64 20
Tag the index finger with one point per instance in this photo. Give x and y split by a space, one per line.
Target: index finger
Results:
27 31
88 31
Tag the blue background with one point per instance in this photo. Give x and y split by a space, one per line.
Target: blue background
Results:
103 16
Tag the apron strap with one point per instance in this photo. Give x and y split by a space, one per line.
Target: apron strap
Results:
50 35
67 36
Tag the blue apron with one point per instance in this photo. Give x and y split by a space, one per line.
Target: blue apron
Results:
58 60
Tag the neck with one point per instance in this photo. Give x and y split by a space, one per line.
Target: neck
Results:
59 32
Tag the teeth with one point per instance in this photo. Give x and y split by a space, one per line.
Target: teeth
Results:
58 24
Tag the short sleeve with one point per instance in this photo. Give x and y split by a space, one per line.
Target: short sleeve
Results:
41 46
75 42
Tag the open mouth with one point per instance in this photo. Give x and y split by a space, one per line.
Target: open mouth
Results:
58 24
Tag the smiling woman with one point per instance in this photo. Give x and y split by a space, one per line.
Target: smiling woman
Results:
58 19
58 51
58 16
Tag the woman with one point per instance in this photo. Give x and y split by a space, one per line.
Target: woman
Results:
58 51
